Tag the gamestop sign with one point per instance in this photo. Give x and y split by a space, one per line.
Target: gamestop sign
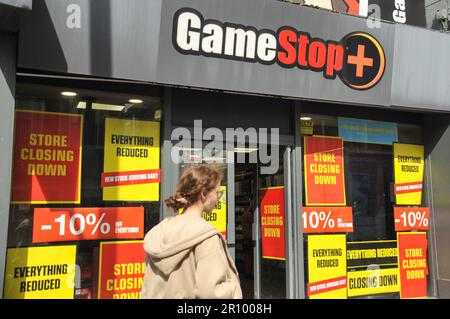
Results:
358 58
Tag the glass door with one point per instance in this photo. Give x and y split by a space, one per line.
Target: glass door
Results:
272 232
252 215
262 204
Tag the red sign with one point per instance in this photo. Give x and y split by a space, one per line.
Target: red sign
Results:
324 171
131 178
319 287
73 224
47 158
417 218
407 188
272 222
121 270
327 220
412 263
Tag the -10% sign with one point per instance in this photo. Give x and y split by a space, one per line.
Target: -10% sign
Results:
417 218
73 224
77 224
327 219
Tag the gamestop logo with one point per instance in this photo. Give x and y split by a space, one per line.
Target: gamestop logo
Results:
358 59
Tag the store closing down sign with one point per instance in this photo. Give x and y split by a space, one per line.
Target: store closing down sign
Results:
272 222
372 267
324 171
372 281
122 268
40 273
93 223
417 218
412 261
327 268
47 158
327 220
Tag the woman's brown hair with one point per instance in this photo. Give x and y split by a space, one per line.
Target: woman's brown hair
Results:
194 181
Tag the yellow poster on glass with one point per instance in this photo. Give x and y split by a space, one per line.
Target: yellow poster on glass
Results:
327 267
373 281
40 273
218 216
408 170
131 169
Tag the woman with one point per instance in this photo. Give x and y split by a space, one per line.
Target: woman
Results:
186 256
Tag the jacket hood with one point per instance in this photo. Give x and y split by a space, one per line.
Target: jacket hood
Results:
172 239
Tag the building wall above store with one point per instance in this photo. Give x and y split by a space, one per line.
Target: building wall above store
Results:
10 12
23 4
421 69
147 41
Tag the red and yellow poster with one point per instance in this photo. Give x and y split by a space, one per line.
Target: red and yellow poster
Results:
416 218
324 171
47 158
327 220
40 273
131 170
121 270
412 264
327 267
218 216
93 223
408 170
272 222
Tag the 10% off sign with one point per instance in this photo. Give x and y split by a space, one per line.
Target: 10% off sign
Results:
327 219
73 224
417 218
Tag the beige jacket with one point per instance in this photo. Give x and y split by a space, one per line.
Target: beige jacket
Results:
188 258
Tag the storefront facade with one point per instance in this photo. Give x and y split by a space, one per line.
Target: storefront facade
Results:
333 136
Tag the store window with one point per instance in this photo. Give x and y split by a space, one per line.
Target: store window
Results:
362 180
85 189
192 156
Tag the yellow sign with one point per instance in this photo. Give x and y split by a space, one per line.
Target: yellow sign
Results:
327 267
307 127
40 273
374 281
218 216
131 160
408 169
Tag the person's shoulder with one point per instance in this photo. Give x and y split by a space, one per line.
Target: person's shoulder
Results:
210 246
215 242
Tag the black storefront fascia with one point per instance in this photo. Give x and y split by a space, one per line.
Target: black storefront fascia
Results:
98 45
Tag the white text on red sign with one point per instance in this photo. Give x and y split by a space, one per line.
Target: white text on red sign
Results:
73 224
417 218
327 219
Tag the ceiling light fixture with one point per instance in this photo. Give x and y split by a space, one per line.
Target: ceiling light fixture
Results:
305 118
67 93
135 101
